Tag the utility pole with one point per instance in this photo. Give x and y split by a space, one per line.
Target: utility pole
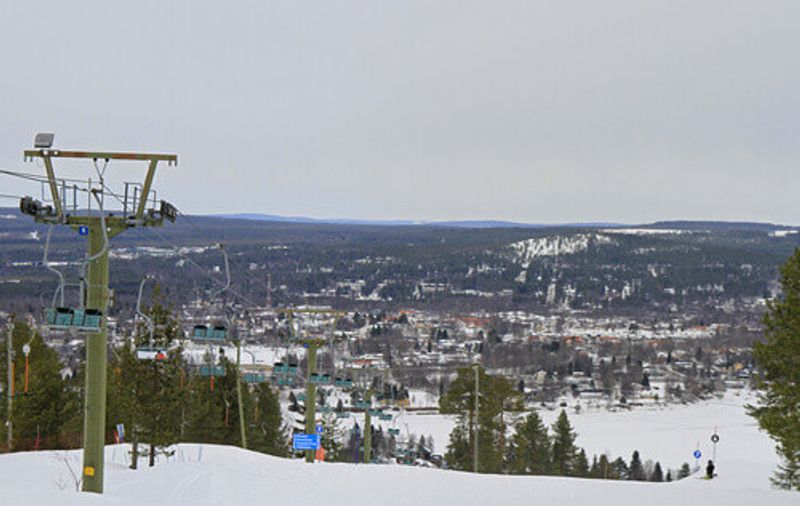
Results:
368 430
475 453
9 387
239 392
100 228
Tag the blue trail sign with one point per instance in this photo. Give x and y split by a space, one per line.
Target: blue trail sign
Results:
306 441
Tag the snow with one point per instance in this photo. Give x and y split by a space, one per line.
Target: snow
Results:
645 231
524 252
200 475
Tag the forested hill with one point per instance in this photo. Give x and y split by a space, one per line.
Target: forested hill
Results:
663 267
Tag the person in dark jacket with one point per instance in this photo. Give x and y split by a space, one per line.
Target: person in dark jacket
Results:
710 469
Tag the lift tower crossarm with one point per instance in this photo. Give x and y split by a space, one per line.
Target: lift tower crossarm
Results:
100 155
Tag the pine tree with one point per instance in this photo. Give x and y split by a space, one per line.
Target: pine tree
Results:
266 432
496 395
684 471
636 469
657 475
564 450
604 469
147 396
50 404
619 469
779 360
581 465
669 476
529 452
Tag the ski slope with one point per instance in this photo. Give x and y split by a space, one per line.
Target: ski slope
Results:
200 475
215 475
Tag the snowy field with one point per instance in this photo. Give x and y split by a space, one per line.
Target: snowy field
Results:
665 434
213 475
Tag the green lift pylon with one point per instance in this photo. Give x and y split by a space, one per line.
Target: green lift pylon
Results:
97 292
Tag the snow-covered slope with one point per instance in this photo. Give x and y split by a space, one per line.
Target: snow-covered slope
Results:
200 475
215 475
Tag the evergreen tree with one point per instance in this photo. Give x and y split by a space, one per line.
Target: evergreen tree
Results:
636 469
669 476
529 452
50 404
604 469
147 396
581 465
619 469
684 471
564 450
266 432
779 360
496 395
657 475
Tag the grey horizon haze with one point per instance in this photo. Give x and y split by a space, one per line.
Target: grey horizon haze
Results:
527 111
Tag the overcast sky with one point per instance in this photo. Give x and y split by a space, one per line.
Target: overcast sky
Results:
557 111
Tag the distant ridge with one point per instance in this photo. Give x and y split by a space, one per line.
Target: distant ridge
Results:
445 224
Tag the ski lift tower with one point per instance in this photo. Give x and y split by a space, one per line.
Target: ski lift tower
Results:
99 226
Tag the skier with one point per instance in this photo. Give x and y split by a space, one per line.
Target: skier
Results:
710 470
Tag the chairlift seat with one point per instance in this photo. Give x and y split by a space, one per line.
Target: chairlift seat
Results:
394 432
292 368
147 353
63 317
211 370
342 414
385 417
92 319
363 404
253 377
280 368
78 317
285 381
374 412
199 332
218 333
301 397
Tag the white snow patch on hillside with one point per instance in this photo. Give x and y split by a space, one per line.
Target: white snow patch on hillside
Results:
524 252
645 231
782 233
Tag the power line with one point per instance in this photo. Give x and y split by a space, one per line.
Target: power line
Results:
178 251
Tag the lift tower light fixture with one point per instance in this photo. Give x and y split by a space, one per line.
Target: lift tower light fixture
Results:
43 141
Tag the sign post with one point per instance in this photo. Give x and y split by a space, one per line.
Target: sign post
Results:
715 440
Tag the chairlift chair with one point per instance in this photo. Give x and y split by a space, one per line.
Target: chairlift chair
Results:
207 370
62 317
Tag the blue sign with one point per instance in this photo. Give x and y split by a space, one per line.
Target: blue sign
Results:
83 230
319 428
697 454
306 441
